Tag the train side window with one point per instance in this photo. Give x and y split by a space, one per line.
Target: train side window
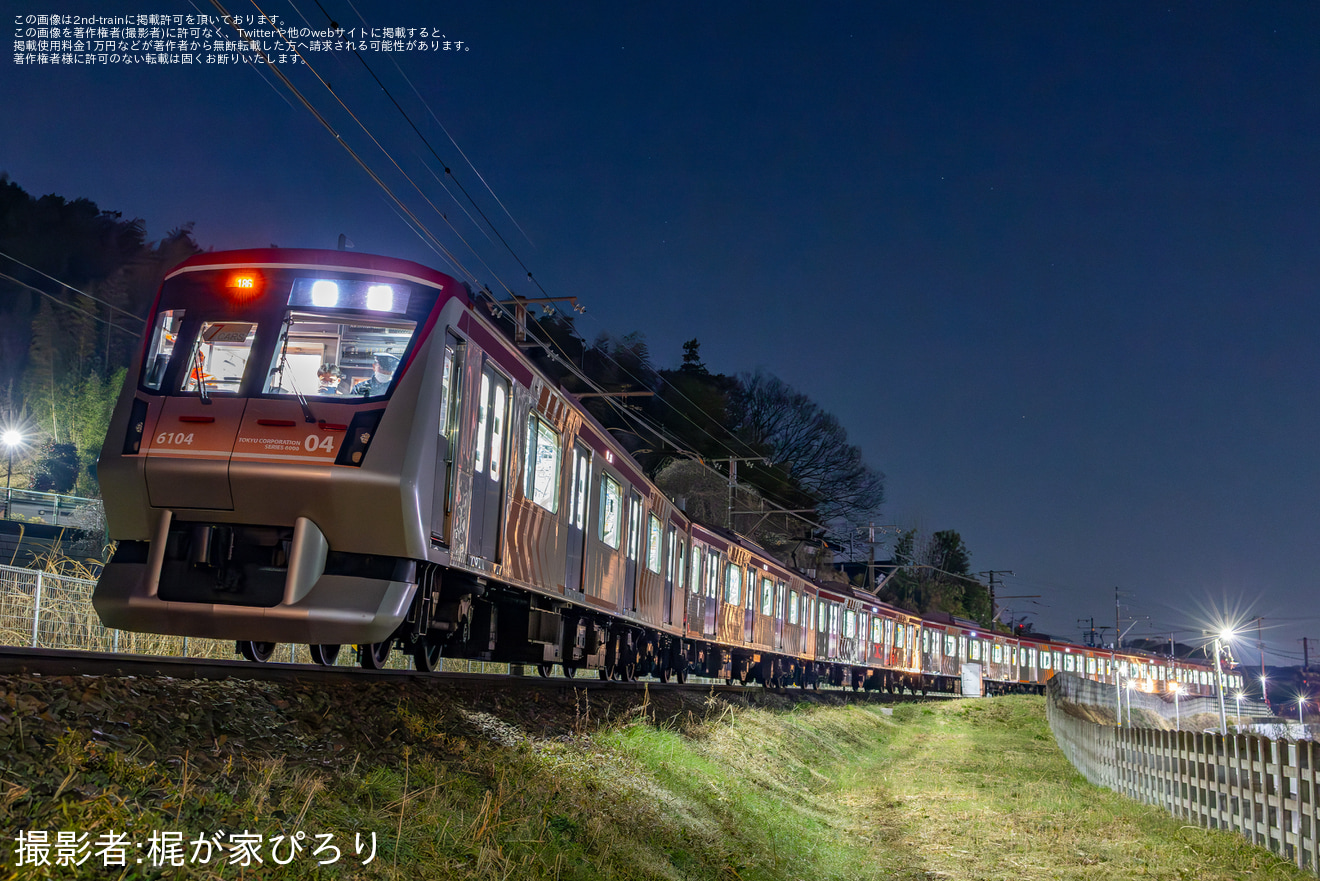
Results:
542 483
779 601
611 505
733 584
163 337
698 568
654 550
219 357
713 576
792 607
678 564
767 597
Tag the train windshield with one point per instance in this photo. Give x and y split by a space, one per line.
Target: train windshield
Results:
298 332
325 355
219 357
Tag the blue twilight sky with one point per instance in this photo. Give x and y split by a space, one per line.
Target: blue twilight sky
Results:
1052 264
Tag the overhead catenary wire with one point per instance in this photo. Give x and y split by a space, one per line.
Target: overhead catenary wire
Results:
70 287
461 152
56 300
428 236
330 128
448 171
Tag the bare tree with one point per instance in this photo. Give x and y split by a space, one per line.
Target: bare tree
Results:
809 446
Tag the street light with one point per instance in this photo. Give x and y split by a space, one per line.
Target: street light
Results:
1177 713
1130 685
1224 636
1301 702
1238 695
13 438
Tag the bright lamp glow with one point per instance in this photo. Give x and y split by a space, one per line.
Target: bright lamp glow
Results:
325 294
12 438
380 298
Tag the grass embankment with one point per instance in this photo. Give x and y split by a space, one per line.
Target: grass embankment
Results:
500 782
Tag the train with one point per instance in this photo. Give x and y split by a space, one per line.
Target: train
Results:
338 449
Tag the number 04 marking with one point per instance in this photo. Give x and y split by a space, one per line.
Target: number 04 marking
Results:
314 443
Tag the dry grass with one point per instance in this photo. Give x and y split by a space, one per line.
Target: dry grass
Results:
468 785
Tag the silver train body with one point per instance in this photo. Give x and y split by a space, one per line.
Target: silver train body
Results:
269 480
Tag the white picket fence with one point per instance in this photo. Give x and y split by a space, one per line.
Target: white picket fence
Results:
1262 788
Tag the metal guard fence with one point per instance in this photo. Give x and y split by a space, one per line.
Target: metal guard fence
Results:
48 610
1262 788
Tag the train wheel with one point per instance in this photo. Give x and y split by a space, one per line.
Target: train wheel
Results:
544 670
569 670
662 673
681 675
607 672
324 654
426 656
256 651
374 656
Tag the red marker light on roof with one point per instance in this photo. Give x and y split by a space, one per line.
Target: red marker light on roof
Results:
243 286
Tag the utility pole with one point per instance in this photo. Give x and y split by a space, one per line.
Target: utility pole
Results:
992 573
733 477
1118 623
1260 646
870 551
1306 654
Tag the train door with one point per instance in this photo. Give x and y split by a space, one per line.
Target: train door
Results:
780 599
576 538
712 591
696 601
442 498
667 613
634 552
488 464
749 607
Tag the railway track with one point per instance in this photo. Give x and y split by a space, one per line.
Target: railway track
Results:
68 662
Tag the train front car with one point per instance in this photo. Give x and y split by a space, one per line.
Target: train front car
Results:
261 471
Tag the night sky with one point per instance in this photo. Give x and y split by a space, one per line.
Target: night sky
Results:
1054 265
